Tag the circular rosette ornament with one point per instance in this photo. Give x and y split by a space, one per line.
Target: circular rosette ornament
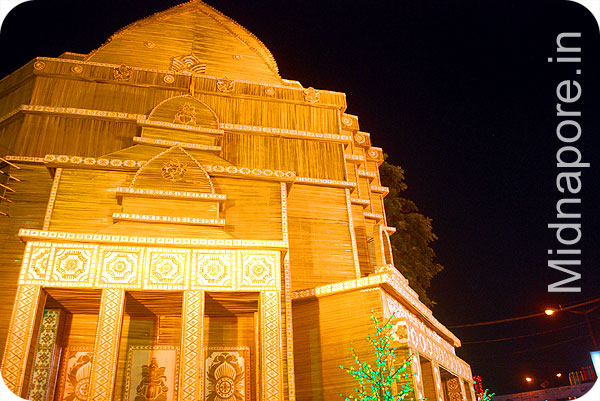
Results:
173 170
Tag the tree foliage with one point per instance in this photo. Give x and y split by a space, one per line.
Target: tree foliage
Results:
413 255
379 383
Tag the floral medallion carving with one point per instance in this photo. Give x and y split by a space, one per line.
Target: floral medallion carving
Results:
312 95
119 267
259 270
173 170
122 73
225 85
167 270
347 121
213 269
39 65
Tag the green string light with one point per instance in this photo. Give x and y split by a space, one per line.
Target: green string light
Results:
378 384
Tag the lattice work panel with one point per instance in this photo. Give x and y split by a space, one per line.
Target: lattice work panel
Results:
191 388
42 362
107 344
270 331
20 333
453 388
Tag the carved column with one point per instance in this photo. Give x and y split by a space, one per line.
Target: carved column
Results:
438 381
463 392
418 378
270 333
26 313
191 377
106 349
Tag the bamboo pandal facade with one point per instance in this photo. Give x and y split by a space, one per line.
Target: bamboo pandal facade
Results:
181 223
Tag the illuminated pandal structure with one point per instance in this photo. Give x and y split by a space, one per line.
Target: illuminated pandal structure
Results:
181 223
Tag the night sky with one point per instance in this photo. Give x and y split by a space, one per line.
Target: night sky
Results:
461 95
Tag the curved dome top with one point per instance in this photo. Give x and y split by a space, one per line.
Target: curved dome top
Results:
192 37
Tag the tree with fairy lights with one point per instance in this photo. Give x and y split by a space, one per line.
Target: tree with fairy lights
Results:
379 384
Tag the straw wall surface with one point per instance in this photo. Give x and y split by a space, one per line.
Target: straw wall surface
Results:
319 236
27 210
324 330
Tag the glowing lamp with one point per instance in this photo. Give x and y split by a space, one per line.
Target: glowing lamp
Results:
549 312
528 379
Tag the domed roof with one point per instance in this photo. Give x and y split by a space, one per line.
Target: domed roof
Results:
194 38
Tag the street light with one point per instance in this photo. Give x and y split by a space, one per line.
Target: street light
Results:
528 379
559 375
549 312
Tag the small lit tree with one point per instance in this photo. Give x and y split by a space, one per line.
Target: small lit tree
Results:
378 384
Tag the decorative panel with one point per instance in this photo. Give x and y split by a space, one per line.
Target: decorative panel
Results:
44 356
212 269
119 267
258 270
36 259
166 268
227 376
72 266
453 389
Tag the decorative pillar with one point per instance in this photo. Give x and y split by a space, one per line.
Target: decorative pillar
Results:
438 381
463 393
191 374
26 312
471 390
418 378
106 350
45 356
270 333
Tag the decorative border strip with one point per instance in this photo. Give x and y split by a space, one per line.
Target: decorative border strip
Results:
368 174
284 219
91 161
328 183
352 235
354 158
24 159
379 189
117 115
26 234
375 216
52 199
362 202
157 193
149 218
145 122
166 143
284 132
277 175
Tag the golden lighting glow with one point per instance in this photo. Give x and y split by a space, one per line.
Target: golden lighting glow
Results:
549 312
558 374
528 379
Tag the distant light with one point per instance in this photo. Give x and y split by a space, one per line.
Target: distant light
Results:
559 375
549 312
528 379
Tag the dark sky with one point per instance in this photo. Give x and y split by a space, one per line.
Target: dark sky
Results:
461 95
